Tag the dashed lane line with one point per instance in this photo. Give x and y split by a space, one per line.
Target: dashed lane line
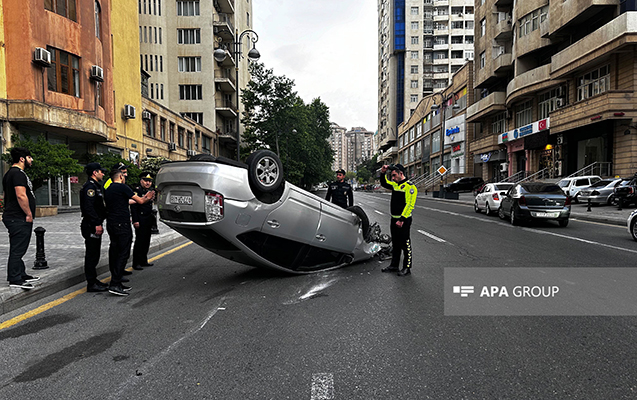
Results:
434 237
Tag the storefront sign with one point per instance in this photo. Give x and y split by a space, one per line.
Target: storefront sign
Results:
485 157
523 131
74 179
455 130
457 150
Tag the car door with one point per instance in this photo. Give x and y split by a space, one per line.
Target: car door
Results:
579 184
505 203
337 229
482 197
296 219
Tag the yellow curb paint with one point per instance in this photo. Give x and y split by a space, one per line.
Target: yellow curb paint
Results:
69 296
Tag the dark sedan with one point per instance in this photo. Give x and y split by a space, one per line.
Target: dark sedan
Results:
466 184
535 201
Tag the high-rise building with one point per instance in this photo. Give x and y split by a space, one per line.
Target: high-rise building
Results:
422 43
556 88
359 147
177 40
338 143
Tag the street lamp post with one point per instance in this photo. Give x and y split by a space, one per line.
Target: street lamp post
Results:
254 55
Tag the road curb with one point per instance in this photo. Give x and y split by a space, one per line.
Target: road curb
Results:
66 278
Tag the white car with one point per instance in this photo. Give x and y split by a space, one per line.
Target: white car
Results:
572 185
632 224
488 199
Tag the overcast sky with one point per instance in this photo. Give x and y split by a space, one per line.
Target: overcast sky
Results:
329 49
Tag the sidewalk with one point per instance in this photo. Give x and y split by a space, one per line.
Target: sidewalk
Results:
603 214
64 249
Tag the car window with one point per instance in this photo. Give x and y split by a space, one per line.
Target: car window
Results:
563 183
503 186
602 183
540 188
595 179
582 182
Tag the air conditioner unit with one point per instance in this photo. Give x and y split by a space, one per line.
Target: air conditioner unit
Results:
191 153
559 102
504 167
172 146
42 56
129 111
146 114
97 73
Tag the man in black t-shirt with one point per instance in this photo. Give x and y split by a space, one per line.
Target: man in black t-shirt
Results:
118 225
19 209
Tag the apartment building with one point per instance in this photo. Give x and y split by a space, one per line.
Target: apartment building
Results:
422 43
359 147
177 40
57 80
555 87
338 143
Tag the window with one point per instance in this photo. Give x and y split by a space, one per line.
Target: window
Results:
414 11
523 114
150 126
457 24
162 129
483 60
152 90
65 8
189 64
155 29
188 8
467 39
151 63
499 123
162 91
156 64
414 25
159 35
593 83
172 132
64 74
180 136
414 69
197 117
161 63
205 144
414 40
547 101
146 61
141 36
414 55
531 21
139 5
414 84
98 12
483 27
468 25
158 7
188 36
189 142
414 98
190 92
145 35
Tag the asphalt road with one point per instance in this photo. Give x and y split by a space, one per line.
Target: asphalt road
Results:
199 327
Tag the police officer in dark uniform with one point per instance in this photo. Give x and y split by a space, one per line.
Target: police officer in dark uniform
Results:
93 215
339 191
143 222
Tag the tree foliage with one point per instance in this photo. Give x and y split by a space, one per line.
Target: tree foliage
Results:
276 118
109 160
366 171
49 160
152 164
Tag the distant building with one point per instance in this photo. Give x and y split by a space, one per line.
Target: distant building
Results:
359 147
338 143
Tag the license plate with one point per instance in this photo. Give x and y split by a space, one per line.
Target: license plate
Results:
180 199
546 214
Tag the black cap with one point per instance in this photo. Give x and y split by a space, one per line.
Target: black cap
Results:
146 176
397 167
340 171
119 167
90 167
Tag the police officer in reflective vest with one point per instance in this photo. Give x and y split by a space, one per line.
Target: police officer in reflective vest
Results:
93 216
143 218
340 192
403 201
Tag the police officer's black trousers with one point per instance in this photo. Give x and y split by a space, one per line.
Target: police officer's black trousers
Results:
401 243
121 236
93 247
142 240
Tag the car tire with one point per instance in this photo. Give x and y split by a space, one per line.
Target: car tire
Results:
512 219
611 200
633 228
501 213
265 171
475 207
563 223
364 219
488 209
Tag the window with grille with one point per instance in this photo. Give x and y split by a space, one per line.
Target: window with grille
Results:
188 8
188 36
499 123
593 83
189 64
190 92
523 114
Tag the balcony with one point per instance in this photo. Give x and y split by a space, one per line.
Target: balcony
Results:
503 63
529 82
225 80
223 26
224 6
617 35
441 75
492 104
441 17
389 153
569 14
503 30
441 46
441 61
225 107
503 3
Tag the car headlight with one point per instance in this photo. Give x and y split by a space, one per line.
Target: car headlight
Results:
214 207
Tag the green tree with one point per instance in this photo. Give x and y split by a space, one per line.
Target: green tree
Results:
276 118
49 160
152 164
366 171
109 160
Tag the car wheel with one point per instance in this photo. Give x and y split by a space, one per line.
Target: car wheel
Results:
633 228
475 206
576 198
488 209
364 219
563 223
265 171
514 221
501 213
611 200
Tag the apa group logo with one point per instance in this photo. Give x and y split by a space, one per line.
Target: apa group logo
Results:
503 291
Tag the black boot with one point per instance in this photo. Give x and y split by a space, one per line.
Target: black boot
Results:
404 272
389 268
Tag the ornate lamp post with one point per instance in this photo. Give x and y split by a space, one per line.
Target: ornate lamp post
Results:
253 55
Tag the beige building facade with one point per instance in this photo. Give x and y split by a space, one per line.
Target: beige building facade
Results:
556 86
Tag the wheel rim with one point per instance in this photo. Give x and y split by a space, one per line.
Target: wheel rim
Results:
475 206
512 217
501 213
488 210
634 230
267 171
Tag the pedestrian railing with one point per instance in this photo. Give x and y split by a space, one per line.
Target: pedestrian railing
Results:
419 179
603 169
537 176
515 178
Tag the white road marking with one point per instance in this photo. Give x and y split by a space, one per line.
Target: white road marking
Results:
432 236
322 386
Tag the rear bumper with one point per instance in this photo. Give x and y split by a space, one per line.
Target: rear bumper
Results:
526 213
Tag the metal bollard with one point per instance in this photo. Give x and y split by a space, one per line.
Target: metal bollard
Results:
589 205
40 257
154 230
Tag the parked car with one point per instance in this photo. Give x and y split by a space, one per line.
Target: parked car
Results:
626 194
632 224
600 192
465 184
535 201
571 186
488 199
249 214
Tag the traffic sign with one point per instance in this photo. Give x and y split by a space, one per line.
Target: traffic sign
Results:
442 170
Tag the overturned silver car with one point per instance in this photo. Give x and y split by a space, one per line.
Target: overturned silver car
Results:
249 214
